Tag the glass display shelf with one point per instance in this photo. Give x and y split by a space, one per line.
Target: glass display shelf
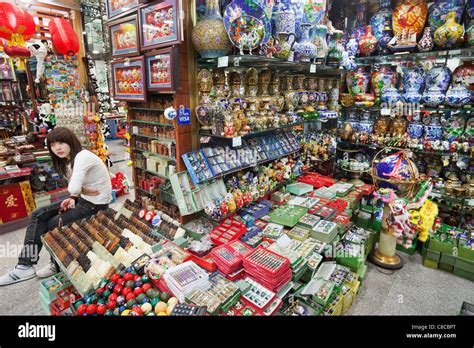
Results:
349 147
466 109
461 53
152 172
154 123
155 138
248 61
151 153
145 109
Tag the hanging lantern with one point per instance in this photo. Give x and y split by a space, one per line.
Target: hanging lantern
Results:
16 24
63 36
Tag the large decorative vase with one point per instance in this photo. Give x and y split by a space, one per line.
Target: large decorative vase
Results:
433 97
367 42
336 49
439 77
381 18
434 130
352 46
437 13
411 95
447 35
409 17
282 46
382 79
390 96
366 124
458 96
414 77
358 81
426 42
285 22
209 36
361 19
464 74
319 37
305 49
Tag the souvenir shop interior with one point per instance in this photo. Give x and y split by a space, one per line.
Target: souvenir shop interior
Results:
267 157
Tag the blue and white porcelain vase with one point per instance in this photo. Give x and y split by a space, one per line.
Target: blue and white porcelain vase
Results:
352 46
366 124
305 49
439 77
379 19
434 130
433 97
413 78
411 95
458 96
285 22
415 129
390 96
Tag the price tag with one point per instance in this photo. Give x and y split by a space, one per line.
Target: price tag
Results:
237 61
312 68
237 141
205 140
42 178
135 129
223 62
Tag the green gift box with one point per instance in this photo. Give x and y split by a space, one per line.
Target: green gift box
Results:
466 253
448 259
445 267
464 264
462 273
433 255
430 263
440 246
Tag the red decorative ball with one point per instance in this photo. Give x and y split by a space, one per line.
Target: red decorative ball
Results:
127 290
113 297
81 309
115 278
128 276
111 304
146 287
136 278
121 282
137 291
91 309
101 308
130 296
136 312
99 291
117 289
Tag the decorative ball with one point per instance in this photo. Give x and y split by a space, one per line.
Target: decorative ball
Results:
146 308
101 308
117 289
81 309
121 282
130 296
138 283
115 278
146 287
111 304
120 300
127 290
396 167
137 291
91 309
128 276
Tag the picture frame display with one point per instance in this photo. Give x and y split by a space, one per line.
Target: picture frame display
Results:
160 67
128 76
124 36
160 24
116 8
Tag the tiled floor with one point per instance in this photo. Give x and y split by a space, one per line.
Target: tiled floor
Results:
413 290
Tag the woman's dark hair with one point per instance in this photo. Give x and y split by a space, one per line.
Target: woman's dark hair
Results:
63 135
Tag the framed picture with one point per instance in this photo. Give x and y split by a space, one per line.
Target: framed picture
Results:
161 69
124 36
128 78
119 7
160 24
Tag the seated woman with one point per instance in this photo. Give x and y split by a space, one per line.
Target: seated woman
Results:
90 188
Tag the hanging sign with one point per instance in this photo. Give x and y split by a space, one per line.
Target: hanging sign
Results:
184 116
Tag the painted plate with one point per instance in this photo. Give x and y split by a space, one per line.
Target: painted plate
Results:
314 10
247 24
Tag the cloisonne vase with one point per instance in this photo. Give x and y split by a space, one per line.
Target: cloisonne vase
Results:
458 96
413 77
361 21
409 16
382 79
437 13
305 49
319 36
367 42
434 130
285 22
464 74
447 35
358 81
209 36
382 18
426 42
352 46
439 77
433 97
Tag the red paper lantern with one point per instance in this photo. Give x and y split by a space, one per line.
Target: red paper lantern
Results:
63 36
17 52
15 21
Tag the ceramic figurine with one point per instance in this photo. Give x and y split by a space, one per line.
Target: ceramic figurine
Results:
209 36
283 47
367 42
447 35
398 125
426 42
458 96
305 49
433 97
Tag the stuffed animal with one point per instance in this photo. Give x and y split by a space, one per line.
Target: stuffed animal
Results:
39 49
